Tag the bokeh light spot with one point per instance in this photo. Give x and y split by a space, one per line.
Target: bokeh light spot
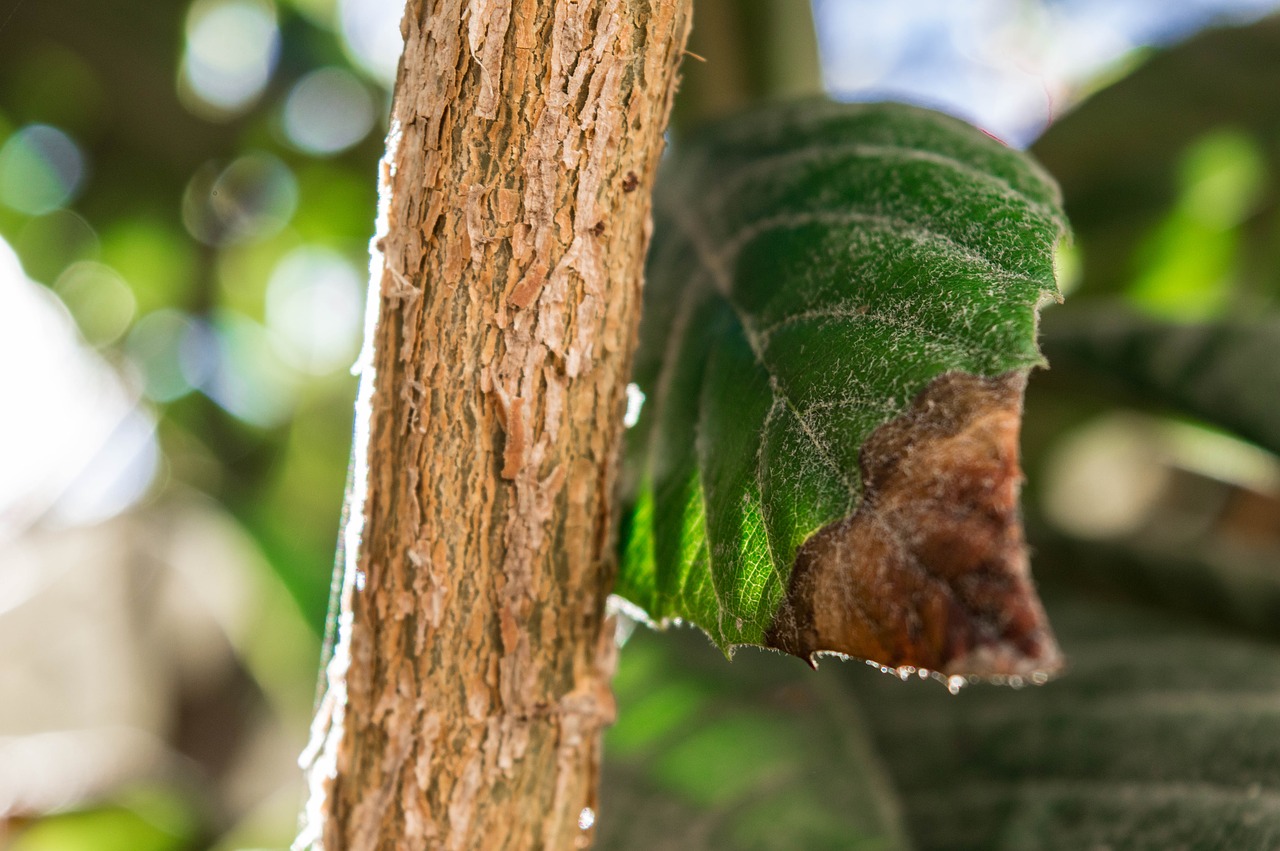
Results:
253 198
315 305
328 111
1223 176
1102 479
1189 262
156 347
371 30
232 47
99 299
250 382
40 169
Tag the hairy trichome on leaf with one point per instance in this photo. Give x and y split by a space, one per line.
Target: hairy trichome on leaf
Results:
840 316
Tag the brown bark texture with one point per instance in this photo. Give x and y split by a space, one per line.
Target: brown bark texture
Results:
470 682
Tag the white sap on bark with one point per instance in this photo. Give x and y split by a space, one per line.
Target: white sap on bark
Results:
467 692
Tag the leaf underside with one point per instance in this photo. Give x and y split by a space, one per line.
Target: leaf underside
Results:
1224 372
840 314
1165 735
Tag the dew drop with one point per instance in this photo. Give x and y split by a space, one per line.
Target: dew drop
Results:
955 683
586 818
635 401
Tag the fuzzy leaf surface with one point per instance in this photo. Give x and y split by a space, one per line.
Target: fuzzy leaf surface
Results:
839 315
1165 734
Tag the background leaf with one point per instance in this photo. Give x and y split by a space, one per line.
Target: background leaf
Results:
741 757
1164 734
815 268
1170 177
1223 373
1218 575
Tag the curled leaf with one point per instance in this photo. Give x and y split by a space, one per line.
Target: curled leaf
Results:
840 318
939 519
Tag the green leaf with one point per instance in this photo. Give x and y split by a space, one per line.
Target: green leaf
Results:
1169 176
1165 734
839 318
737 758
1227 576
143 820
1224 373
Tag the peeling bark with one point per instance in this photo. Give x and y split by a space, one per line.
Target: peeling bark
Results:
470 683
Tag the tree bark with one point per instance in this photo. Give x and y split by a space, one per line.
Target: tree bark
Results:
470 682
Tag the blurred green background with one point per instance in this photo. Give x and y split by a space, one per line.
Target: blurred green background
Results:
191 187
186 197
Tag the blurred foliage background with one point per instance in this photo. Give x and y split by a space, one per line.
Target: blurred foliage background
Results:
186 196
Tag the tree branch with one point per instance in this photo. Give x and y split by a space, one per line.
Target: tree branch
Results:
470 682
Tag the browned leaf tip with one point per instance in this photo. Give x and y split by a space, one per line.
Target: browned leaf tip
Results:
931 571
